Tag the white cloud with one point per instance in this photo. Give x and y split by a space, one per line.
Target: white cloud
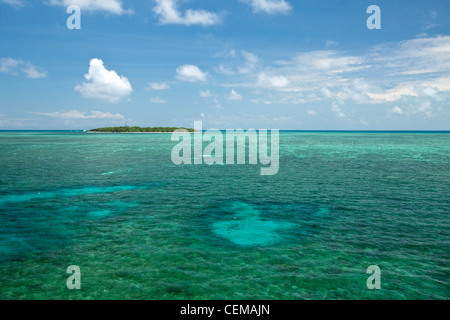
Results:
423 108
224 70
191 73
331 43
16 67
329 61
232 53
251 61
391 95
415 57
397 109
436 89
9 65
248 66
210 98
158 100
276 81
406 73
33 72
216 104
104 84
234 96
15 3
427 91
337 109
408 79
205 94
301 79
168 13
327 93
441 83
75 114
109 6
269 6
158 86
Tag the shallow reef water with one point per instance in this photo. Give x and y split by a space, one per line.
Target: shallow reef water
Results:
140 227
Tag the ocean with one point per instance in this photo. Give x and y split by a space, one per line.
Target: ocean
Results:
140 227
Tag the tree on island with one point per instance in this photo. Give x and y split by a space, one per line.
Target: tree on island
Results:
127 129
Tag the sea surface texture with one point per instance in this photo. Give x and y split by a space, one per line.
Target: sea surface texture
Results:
140 227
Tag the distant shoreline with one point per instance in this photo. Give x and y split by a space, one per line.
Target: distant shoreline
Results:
98 132
126 129
223 130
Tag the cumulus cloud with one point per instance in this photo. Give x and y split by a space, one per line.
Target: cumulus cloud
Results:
168 13
75 114
104 84
109 6
158 86
191 73
234 96
15 3
269 6
16 67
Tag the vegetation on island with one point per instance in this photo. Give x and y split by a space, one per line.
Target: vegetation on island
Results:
126 129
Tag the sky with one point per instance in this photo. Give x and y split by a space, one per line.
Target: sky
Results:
262 64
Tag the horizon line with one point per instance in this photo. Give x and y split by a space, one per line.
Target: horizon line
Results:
280 130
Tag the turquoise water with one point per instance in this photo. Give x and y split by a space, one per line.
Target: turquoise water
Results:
140 227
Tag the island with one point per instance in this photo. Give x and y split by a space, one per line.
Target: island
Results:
126 129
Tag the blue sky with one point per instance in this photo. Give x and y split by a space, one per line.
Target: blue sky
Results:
275 64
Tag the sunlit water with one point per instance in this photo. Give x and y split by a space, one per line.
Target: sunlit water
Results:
140 227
